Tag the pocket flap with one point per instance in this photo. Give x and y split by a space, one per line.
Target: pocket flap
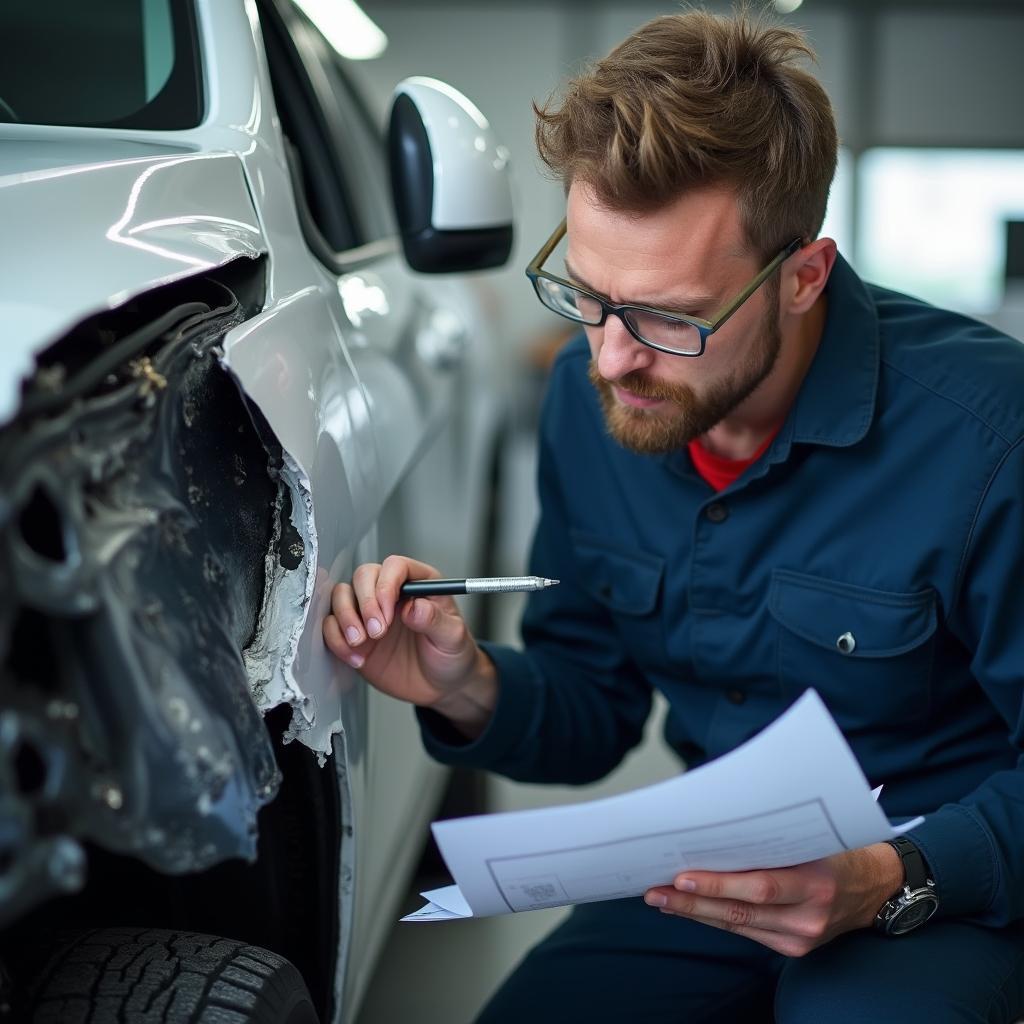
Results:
855 621
624 579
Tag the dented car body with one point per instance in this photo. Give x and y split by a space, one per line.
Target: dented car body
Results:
214 402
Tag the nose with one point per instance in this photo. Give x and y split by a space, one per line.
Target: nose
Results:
619 352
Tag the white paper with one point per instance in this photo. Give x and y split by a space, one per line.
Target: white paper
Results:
445 904
793 793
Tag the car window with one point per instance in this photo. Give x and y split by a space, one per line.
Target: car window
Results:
309 76
101 64
317 176
361 147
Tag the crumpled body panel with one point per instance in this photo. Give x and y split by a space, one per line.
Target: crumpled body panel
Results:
129 526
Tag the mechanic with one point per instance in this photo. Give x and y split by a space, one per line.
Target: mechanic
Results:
824 488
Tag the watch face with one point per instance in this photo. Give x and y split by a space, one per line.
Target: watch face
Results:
912 915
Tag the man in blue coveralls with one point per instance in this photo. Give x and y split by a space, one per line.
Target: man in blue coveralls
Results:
757 474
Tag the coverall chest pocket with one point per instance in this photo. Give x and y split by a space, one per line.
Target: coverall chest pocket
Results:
627 582
867 652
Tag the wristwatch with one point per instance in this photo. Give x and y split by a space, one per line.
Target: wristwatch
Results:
916 901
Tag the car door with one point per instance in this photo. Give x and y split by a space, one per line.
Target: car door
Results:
403 348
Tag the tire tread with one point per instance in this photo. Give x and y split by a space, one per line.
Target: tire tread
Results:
151 976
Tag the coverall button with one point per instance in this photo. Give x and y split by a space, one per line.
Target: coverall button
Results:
735 696
717 512
847 643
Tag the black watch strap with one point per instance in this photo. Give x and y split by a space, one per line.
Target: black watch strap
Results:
915 867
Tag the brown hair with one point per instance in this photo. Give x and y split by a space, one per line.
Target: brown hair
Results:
697 99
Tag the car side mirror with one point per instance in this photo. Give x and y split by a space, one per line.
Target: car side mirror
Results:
449 180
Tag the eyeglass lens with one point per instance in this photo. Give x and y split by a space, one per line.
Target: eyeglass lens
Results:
652 327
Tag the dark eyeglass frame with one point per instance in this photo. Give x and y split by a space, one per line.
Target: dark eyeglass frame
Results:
705 328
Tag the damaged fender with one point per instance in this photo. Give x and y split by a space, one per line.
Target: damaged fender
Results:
135 522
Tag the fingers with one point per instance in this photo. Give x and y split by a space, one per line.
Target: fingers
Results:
344 629
799 918
446 631
374 591
394 571
377 589
369 614
346 612
725 913
760 887
364 609
337 643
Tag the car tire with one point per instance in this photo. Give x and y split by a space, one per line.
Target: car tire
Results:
151 976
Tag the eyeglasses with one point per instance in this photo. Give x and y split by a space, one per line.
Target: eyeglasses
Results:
675 333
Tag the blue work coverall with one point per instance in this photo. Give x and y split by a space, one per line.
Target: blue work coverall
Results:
890 506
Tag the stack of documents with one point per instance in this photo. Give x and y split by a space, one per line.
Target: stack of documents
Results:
793 793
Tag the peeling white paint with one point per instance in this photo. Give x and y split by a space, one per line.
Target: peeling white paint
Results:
286 595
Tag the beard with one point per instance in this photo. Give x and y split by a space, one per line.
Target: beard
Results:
687 415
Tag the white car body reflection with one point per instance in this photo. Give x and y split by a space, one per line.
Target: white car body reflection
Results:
382 386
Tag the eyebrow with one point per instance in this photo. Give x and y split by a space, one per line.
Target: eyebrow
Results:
678 303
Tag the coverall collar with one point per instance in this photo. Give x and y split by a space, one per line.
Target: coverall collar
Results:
836 402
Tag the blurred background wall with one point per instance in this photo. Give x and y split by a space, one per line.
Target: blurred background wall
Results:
928 96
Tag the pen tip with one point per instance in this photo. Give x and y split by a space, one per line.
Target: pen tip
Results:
551 583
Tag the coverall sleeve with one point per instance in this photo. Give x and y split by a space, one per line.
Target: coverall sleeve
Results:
974 846
571 704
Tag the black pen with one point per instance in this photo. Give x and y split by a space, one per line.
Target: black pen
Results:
481 585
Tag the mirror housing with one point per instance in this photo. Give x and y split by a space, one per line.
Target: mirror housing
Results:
449 180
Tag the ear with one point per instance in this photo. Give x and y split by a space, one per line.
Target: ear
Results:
805 274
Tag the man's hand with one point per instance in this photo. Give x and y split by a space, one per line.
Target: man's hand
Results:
791 910
416 650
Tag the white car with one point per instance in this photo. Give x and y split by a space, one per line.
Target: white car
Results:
224 382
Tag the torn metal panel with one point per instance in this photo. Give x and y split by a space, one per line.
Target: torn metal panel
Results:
134 522
289 563
291 364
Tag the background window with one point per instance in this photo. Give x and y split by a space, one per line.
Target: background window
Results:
838 222
933 222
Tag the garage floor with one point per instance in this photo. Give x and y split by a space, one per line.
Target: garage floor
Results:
443 973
